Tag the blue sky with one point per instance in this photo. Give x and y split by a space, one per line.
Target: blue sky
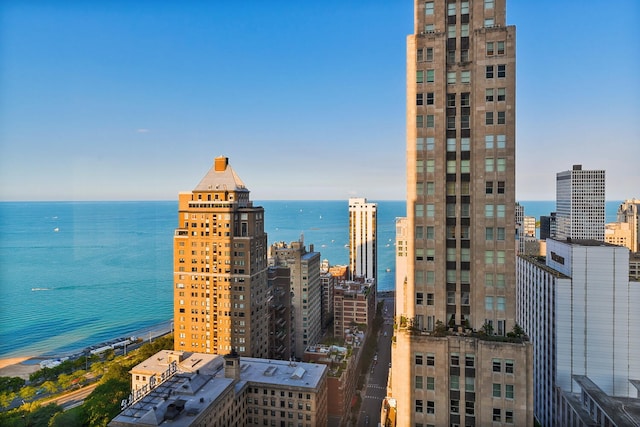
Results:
132 100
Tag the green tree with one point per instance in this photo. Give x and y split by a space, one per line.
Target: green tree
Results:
50 386
11 383
27 392
74 417
104 403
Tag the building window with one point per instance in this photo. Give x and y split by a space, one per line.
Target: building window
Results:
500 257
420 76
488 142
419 99
465 76
429 28
508 391
419 299
488 232
497 365
429 54
451 77
419 121
431 233
419 406
419 55
500 46
488 4
451 31
488 189
488 73
419 381
429 299
488 118
455 407
502 118
451 300
431 407
451 9
497 390
502 70
501 164
501 141
464 55
451 100
508 416
490 49
488 95
464 8
488 211
431 189
430 210
489 23
465 99
469 384
500 211
470 408
488 303
431 359
497 414
451 56
465 143
431 383
464 30
455 357
489 164
500 304
430 120
451 124
428 8
430 143
431 76
500 230
454 382
430 98
430 166
502 94
508 366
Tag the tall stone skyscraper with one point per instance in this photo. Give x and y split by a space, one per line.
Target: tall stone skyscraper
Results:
580 204
452 363
363 249
220 268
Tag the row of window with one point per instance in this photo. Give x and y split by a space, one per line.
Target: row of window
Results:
491 71
428 210
429 120
490 142
429 7
491 95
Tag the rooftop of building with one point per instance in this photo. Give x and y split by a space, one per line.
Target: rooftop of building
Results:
584 242
192 390
541 262
623 411
221 177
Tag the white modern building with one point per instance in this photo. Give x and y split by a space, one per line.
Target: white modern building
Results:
363 251
580 200
579 309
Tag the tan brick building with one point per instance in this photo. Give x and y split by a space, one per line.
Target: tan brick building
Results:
458 251
220 268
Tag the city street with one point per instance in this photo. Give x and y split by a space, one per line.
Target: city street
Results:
376 387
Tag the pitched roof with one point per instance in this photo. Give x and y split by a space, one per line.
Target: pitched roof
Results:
221 177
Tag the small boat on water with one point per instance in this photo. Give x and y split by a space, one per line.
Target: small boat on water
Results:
56 229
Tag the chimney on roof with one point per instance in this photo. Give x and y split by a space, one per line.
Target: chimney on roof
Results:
221 163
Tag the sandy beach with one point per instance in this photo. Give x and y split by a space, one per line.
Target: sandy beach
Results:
14 367
26 365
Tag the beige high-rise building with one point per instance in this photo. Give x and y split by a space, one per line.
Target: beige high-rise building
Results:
452 361
220 268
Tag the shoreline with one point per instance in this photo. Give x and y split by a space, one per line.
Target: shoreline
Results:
23 366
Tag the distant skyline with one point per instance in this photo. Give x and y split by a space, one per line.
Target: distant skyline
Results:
132 100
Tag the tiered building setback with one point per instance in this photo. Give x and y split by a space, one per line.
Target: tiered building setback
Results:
220 268
459 242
